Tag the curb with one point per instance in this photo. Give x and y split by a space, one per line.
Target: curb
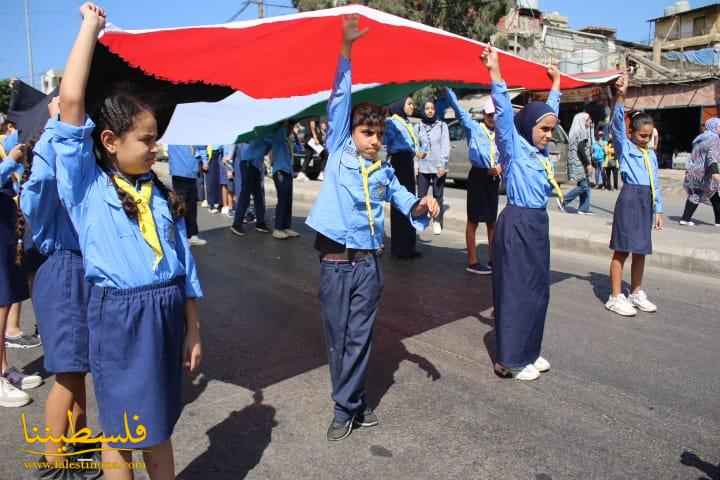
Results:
702 261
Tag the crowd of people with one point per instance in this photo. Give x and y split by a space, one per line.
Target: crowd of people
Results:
116 291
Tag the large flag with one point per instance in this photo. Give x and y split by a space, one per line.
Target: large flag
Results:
245 76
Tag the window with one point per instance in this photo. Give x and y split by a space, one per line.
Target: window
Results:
699 27
456 131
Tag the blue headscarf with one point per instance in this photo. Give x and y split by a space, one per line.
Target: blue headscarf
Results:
711 128
529 116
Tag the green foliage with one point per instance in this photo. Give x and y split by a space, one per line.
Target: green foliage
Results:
474 19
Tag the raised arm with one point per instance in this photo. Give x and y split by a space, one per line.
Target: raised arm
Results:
12 162
617 123
553 99
77 70
444 146
505 133
460 113
340 102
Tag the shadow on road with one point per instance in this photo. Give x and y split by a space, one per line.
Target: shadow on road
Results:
692 460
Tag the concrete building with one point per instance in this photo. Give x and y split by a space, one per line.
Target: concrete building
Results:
50 80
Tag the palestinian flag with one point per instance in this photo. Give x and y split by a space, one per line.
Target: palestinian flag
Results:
241 77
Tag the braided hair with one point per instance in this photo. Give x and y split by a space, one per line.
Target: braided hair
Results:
20 222
117 113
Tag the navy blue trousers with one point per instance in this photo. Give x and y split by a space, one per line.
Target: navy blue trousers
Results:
283 211
521 284
403 237
251 184
212 179
349 297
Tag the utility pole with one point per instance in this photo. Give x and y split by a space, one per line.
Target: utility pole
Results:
261 8
31 70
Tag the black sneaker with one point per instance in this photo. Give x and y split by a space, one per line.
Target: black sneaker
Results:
480 269
238 230
261 227
249 217
22 341
366 419
339 430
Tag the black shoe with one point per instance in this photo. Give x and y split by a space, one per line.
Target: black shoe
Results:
366 419
238 230
480 269
261 227
339 430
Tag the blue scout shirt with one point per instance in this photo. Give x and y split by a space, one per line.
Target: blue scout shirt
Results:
51 227
526 180
340 211
10 141
478 141
281 156
114 252
183 161
632 163
397 137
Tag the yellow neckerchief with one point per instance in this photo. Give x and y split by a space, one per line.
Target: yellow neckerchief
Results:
365 172
408 128
145 216
209 151
551 176
491 136
648 167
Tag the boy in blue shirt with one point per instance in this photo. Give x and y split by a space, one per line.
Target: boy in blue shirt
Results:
348 217
184 169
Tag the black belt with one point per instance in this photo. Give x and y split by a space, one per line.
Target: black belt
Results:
350 255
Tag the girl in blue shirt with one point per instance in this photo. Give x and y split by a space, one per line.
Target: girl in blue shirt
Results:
639 206
521 245
142 313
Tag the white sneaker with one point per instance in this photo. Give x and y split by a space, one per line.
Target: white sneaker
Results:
437 228
204 204
230 213
196 241
11 396
641 301
214 211
280 235
320 177
541 365
688 223
621 306
302 177
291 233
584 213
560 205
527 373
225 210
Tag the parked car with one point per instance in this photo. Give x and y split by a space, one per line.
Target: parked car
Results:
459 165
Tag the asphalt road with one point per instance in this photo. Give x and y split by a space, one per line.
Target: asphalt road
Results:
627 398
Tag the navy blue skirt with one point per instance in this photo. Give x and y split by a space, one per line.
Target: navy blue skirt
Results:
13 282
521 284
136 342
633 220
60 297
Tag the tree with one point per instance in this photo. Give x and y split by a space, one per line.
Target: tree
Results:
4 95
476 19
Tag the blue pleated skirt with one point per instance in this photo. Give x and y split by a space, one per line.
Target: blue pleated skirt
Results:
60 297
521 284
136 341
633 220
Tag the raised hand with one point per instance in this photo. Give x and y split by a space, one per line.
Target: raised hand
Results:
94 15
54 107
554 75
621 85
351 29
490 58
18 152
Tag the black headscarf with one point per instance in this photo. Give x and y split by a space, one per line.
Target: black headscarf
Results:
529 116
398 108
423 116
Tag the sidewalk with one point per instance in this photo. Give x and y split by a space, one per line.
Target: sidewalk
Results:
676 249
